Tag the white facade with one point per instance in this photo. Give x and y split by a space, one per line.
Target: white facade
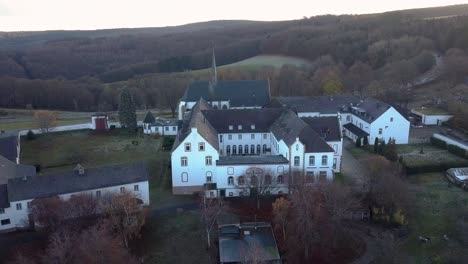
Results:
17 215
171 130
435 119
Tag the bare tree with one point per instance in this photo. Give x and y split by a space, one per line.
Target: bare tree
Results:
258 182
280 211
48 212
211 208
45 120
124 214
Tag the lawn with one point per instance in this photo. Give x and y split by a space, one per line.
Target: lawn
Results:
435 208
26 125
431 156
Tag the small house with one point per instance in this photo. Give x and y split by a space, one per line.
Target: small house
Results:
99 122
431 115
161 126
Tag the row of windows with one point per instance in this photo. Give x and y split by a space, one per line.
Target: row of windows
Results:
245 149
311 160
267 180
239 136
184 161
188 147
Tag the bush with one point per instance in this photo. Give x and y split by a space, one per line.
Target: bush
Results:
435 167
30 135
376 145
456 150
382 147
438 143
112 127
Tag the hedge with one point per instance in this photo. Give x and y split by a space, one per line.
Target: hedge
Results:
456 150
438 143
434 167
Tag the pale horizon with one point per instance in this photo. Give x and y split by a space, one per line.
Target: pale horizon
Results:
33 15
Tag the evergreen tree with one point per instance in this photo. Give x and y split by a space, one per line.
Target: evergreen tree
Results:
127 110
382 147
358 143
376 145
366 141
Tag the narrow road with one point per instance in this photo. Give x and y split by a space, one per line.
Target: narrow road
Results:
351 167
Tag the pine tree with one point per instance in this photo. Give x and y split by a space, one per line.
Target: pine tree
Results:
358 143
376 145
366 141
127 110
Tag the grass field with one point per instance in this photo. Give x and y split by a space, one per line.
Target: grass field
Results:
276 61
436 210
431 155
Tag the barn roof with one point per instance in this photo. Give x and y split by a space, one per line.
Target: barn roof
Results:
9 169
71 181
239 93
8 143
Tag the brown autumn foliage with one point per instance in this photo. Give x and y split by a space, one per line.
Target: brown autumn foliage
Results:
45 120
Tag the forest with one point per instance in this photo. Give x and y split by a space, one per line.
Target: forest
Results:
376 54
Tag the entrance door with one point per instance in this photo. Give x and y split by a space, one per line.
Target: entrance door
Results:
222 193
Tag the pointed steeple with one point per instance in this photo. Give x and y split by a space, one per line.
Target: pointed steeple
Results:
214 75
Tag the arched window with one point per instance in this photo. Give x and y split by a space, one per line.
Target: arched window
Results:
234 150
215 107
184 177
228 150
279 179
240 149
324 160
246 149
230 180
252 149
209 176
225 107
267 180
241 180
258 149
264 148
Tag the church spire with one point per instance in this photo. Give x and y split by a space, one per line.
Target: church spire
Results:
214 75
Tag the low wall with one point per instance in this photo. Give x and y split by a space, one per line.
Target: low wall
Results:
451 141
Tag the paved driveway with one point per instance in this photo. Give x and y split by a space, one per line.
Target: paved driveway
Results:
351 167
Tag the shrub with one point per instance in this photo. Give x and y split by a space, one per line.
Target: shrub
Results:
438 143
391 152
112 127
456 150
358 143
30 135
382 147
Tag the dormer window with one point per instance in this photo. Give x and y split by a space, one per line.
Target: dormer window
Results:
239 127
252 127
231 127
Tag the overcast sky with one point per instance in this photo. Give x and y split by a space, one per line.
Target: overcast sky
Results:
24 15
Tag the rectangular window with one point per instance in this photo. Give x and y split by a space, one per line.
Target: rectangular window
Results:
2 211
5 221
264 136
208 178
174 128
166 128
230 170
239 136
380 131
220 138
201 146
252 136
19 206
296 160
324 160
183 161
208 160
122 189
311 160
391 119
334 163
187 147
230 137
98 194
136 188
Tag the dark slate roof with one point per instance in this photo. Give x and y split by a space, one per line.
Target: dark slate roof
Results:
70 181
289 126
261 118
232 247
322 104
9 169
239 93
4 203
149 118
197 120
240 160
328 127
356 130
370 109
8 143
